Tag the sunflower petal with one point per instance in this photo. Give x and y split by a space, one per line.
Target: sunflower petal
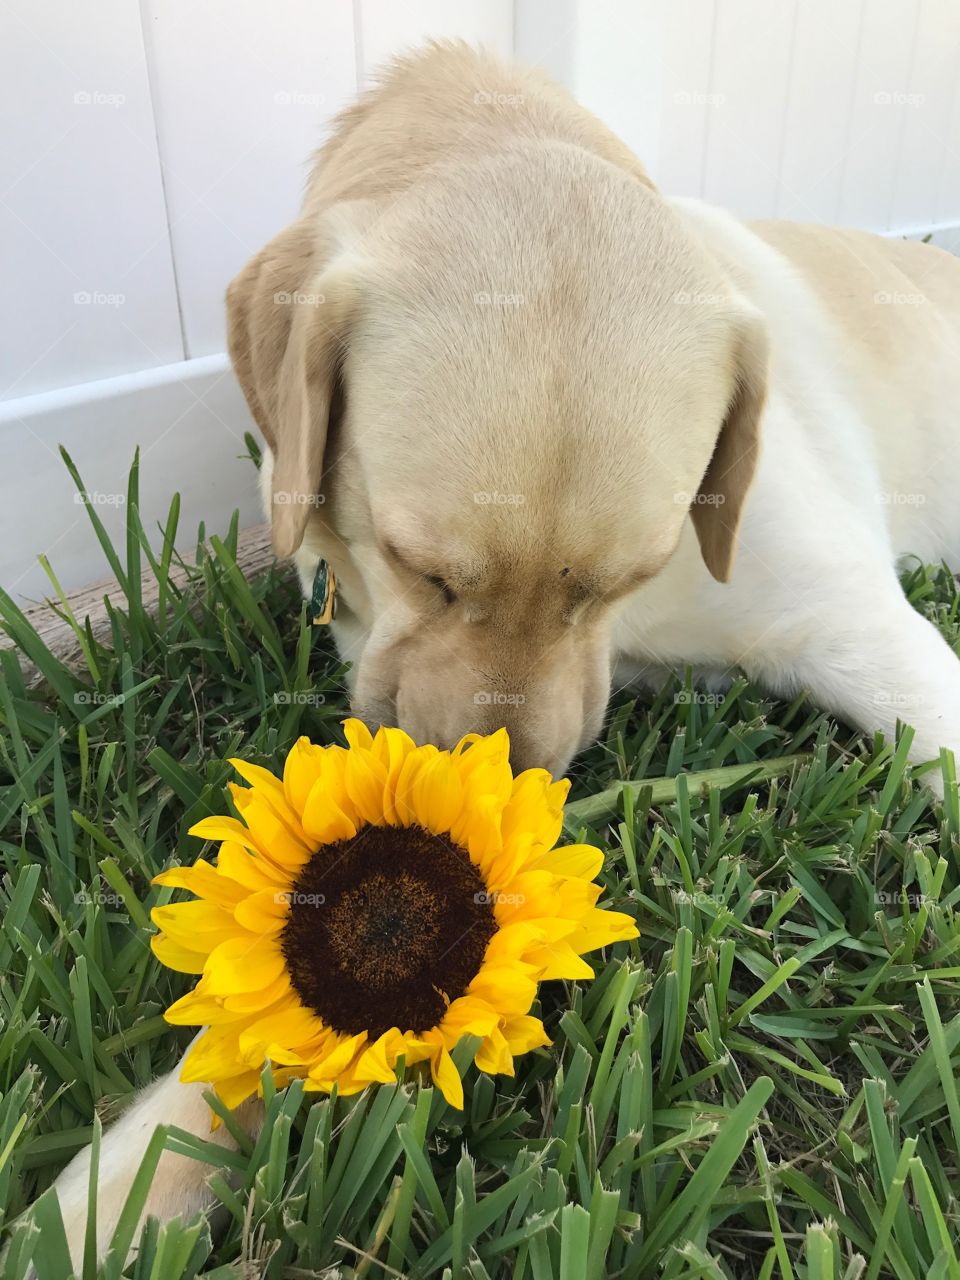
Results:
224 829
179 958
287 848
357 734
494 1055
301 769
264 912
195 925
447 1078
524 1033
249 869
580 860
365 777
436 794
243 963
205 881
237 1089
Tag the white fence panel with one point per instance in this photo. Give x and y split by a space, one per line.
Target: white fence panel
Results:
87 278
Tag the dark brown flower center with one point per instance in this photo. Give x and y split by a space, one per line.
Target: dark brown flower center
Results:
385 929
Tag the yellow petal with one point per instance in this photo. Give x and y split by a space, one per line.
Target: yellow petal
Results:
510 989
377 1064
436 794
264 912
365 778
467 1016
528 897
403 790
237 1089
256 1001
287 849
357 734
535 808
204 880
197 1009
177 957
301 770
214 1055
285 1028
196 925
524 1033
243 964
219 828
343 1049
329 814
558 960
603 928
494 1055
391 746
580 860
265 781
249 869
447 1078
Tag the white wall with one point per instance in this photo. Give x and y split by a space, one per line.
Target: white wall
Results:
148 152
842 111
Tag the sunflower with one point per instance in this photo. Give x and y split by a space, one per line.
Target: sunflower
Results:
379 902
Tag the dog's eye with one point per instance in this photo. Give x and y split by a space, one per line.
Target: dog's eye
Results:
449 597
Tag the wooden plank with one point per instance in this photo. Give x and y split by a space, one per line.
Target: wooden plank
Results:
254 555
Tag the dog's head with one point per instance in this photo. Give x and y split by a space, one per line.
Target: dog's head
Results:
491 405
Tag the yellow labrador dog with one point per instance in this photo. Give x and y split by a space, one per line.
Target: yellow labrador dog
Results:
552 429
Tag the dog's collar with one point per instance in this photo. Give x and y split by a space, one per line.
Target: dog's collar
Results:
323 598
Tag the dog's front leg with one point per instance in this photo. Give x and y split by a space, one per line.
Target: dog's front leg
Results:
873 660
179 1187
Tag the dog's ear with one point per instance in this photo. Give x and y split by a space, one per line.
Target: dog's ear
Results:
718 507
288 314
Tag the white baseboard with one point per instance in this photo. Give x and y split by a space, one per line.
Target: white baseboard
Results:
946 235
187 418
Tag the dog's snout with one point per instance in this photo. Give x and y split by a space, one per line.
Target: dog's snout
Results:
527 754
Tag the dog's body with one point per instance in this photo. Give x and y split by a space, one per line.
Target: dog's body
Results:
544 385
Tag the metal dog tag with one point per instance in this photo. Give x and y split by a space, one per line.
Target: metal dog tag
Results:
323 598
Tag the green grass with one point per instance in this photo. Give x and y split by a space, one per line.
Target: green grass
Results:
764 1085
